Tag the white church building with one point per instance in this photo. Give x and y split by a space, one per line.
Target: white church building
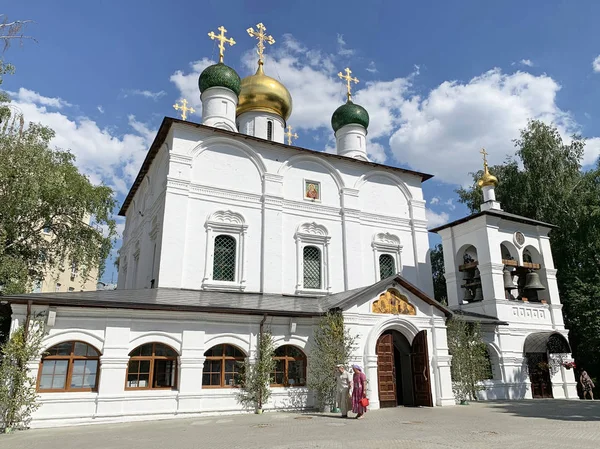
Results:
231 230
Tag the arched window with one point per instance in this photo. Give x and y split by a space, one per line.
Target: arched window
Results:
224 260
222 366
387 266
312 267
269 130
290 368
152 366
69 366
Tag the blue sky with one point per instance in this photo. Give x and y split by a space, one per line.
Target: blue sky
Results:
440 79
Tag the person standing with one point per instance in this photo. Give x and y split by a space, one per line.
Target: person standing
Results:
344 389
587 384
359 391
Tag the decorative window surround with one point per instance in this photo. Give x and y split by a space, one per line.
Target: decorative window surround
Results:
312 234
386 243
231 224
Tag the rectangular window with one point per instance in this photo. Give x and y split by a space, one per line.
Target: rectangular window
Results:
312 267
71 289
57 289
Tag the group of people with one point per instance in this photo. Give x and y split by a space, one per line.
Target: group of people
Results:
351 391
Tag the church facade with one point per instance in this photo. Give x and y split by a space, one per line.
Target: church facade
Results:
231 231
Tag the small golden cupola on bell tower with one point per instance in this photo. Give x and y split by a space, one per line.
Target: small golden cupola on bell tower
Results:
488 183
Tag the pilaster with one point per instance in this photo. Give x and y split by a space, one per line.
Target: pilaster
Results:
272 234
351 235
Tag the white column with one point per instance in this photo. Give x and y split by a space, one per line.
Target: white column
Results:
191 366
489 199
351 141
272 234
372 386
218 108
352 245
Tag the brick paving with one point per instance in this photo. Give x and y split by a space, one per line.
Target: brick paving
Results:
524 424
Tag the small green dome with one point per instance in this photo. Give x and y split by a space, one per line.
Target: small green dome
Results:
219 75
349 113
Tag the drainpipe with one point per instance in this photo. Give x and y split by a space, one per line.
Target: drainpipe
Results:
260 334
27 319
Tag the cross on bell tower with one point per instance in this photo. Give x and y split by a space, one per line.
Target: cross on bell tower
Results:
348 80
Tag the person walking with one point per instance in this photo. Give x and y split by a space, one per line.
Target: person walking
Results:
587 384
359 391
344 389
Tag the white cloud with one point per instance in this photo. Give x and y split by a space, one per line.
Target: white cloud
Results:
450 204
343 50
29 96
596 64
100 109
526 62
435 200
371 68
187 83
442 132
145 93
435 219
100 153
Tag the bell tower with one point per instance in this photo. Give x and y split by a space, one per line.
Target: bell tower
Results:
500 264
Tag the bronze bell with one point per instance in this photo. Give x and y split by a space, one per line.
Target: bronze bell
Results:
478 294
477 274
468 295
508 280
532 282
467 276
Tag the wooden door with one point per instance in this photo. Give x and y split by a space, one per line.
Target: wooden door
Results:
539 375
420 369
386 375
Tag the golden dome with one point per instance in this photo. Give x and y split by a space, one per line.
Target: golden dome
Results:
487 179
260 92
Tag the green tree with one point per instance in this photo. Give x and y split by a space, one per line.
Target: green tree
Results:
470 359
544 181
18 397
255 376
440 291
333 345
42 190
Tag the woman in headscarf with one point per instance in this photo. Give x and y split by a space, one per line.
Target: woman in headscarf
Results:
587 384
359 391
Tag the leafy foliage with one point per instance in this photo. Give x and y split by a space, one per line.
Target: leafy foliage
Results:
544 181
17 386
255 377
437 269
470 360
333 345
42 189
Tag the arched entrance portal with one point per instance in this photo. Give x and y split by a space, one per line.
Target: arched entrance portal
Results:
403 370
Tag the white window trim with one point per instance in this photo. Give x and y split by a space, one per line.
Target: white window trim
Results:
312 234
231 224
386 243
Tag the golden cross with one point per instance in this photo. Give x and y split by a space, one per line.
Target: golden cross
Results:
262 38
290 135
485 153
183 108
222 41
348 79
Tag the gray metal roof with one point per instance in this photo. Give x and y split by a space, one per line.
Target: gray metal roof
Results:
473 317
496 213
216 302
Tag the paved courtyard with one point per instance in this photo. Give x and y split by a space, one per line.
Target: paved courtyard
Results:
527 424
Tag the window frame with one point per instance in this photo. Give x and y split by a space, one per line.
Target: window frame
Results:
152 358
386 243
231 224
225 237
222 358
393 259
304 267
270 126
70 358
312 234
286 359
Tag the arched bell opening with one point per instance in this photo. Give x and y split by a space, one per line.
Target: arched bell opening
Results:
469 276
532 280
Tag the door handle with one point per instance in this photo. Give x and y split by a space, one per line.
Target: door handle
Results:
425 373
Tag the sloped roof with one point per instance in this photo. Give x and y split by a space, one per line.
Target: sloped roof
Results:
168 122
478 317
172 299
495 213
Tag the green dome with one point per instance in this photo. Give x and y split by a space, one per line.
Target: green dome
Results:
349 113
219 75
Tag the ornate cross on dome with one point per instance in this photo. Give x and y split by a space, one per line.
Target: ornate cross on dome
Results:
348 79
485 153
183 108
222 41
262 38
289 135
